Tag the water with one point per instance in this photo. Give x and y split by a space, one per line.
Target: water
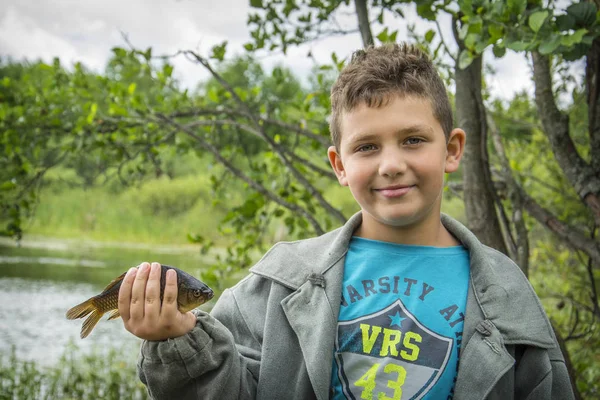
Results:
40 282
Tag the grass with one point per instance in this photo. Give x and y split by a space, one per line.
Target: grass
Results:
109 375
159 211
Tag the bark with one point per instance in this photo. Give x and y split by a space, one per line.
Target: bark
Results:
568 363
521 243
582 176
479 195
592 80
364 25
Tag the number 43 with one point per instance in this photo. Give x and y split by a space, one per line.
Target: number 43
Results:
367 381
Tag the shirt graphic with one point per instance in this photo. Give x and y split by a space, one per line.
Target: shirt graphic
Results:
400 323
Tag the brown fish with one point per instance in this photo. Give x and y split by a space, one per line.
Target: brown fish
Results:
190 294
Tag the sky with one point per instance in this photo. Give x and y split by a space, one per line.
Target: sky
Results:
86 30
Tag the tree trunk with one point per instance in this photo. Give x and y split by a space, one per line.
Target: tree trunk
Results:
480 201
364 25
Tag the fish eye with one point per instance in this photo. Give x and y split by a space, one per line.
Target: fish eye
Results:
197 292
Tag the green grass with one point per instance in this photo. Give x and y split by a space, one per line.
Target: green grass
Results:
103 374
159 211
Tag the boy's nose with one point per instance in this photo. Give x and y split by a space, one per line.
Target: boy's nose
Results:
392 164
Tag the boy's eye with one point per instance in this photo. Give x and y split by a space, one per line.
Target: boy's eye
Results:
413 141
366 147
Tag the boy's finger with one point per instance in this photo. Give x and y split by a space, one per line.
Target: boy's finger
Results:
138 292
125 293
152 296
170 296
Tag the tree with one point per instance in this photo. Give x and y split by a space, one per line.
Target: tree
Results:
264 131
517 25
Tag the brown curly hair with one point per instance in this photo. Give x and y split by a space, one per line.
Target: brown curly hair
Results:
377 73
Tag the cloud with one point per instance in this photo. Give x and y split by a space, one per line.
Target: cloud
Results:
85 31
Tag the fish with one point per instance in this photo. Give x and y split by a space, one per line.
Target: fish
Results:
191 293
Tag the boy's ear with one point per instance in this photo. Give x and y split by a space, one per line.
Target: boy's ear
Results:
338 167
455 149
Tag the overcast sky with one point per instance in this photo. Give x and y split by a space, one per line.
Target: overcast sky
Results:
86 30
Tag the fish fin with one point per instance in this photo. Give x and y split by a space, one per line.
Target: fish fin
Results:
81 310
115 281
90 323
113 315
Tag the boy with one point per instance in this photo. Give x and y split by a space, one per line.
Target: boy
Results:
381 308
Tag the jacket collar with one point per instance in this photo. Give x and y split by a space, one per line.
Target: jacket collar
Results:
500 295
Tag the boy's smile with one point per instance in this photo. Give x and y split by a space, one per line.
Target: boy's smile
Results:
393 159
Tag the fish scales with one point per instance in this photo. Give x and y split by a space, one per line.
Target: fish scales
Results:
190 294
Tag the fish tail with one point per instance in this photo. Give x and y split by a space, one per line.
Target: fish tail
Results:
81 310
114 314
90 322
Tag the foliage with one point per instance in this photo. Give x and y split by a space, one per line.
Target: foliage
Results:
161 211
263 129
109 375
522 25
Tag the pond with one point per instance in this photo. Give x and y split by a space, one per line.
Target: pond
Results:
42 279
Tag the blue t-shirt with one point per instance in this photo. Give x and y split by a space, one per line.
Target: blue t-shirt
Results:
401 321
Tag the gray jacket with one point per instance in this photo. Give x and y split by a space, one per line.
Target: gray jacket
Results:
272 335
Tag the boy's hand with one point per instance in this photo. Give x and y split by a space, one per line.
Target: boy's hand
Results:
140 307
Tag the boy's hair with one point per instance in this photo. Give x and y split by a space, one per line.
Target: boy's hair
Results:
376 74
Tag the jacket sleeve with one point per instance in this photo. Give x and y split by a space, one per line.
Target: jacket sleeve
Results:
542 374
218 359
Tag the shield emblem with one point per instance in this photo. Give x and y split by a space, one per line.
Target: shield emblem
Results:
389 354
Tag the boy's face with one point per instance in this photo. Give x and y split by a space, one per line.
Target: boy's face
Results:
393 159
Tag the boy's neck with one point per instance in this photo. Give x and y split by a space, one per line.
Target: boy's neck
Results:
425 233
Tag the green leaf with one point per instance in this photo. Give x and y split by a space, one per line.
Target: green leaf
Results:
574 38
429 35
131 88
7 185
256 4
471 39
517 45
496 32
583 13
466 6
565 22
218 51
475 24
516 6
167 70
92 113
463 31
499 51
550 44
119 52
424 10
536 20
383 35
465 59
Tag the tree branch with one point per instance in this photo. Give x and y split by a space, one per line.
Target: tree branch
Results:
574 237
364 25
232 112
556 126
252 183
521 244
592 82
254 132
316 194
